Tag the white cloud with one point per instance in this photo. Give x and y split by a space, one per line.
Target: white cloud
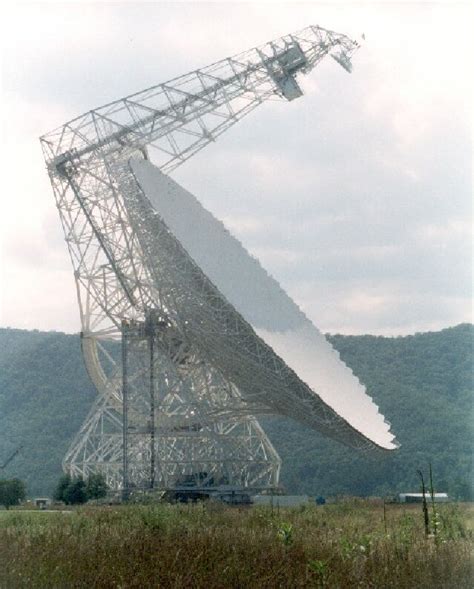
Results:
357 197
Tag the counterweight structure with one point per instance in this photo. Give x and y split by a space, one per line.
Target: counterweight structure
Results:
175 410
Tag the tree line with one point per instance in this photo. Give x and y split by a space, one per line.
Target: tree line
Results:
69 490
422 383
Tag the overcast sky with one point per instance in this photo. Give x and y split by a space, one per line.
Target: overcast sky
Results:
356 197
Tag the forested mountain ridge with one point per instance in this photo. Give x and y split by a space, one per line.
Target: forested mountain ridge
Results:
422 384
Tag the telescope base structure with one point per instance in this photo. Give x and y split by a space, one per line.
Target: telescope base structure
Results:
163 426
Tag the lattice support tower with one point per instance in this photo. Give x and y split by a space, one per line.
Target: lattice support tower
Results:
176 408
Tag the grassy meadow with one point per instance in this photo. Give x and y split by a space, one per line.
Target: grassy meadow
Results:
346 545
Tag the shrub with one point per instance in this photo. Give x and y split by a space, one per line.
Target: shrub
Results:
76 491
12 492
63 484
96 486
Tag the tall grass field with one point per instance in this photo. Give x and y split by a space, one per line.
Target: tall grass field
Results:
355 544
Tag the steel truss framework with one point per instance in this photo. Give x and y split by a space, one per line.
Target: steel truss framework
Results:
178 407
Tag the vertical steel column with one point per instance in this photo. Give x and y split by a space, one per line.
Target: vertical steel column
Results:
125 483
151 346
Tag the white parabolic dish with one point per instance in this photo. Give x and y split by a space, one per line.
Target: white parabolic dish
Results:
260 300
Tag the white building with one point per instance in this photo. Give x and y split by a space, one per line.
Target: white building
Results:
418 497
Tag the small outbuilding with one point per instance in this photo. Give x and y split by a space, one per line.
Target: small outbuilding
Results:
42 502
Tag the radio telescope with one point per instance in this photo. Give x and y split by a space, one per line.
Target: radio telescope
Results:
208 339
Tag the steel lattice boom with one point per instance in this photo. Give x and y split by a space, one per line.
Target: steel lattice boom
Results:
177 408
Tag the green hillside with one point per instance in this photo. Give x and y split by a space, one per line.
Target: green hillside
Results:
422 383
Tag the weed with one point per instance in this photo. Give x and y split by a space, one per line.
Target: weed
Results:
285 533
320 570
199 546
